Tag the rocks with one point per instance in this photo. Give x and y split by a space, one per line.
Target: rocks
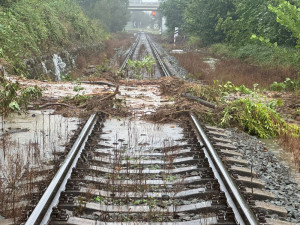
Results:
91 70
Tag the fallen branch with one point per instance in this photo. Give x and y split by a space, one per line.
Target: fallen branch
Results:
201 101
106 97
14 131
52 104
111 95
99 82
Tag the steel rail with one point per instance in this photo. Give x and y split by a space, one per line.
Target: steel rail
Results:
130 52
158 58
242 211
42 212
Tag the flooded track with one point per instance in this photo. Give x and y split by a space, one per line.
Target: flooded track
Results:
130 171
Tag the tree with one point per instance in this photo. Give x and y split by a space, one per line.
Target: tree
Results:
253 17
141 19
173 10
288 15
112 14
6 3
201 19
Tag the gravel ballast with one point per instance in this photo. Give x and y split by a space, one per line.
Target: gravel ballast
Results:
269 169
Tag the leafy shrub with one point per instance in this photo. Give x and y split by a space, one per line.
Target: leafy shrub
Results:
13 97
255 118
230 87
287 85
138 67
194 42
277 86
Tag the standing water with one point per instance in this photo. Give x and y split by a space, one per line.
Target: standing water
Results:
59 66
285 157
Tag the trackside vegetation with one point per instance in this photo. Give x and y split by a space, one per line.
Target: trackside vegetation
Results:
265 31
30 27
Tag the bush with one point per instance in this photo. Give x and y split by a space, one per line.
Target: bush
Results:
255 118
194 42
13 97
287 85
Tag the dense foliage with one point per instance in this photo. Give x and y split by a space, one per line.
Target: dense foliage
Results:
112 14
174 12
30 26
235 21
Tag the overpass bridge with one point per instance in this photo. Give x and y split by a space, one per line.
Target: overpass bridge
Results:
143 7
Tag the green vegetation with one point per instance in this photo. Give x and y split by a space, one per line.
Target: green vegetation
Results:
144 66
14 97
264 31
287 85
256 118
29 27
80 97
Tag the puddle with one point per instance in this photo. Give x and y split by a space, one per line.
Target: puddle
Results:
30 140
139 134
286 158
211 62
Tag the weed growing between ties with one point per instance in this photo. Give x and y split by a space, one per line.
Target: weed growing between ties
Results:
138 68
134 178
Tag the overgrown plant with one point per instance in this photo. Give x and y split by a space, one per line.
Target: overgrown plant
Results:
256 118
287 85
14 98
140 67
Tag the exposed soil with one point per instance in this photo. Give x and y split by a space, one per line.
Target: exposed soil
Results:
119 41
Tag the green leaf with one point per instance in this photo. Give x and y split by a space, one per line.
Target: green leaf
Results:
14 106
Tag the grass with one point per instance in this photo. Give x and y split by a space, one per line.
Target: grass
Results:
241 73
100 58
194 64
235 70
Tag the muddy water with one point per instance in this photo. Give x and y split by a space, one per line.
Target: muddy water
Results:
143 99
141 134
211 62
29 140
286 158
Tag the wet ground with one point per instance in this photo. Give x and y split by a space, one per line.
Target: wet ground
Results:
286 158
32 138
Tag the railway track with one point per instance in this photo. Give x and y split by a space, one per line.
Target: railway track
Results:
128 171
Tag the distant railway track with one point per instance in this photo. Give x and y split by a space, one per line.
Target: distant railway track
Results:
154 52
115 174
